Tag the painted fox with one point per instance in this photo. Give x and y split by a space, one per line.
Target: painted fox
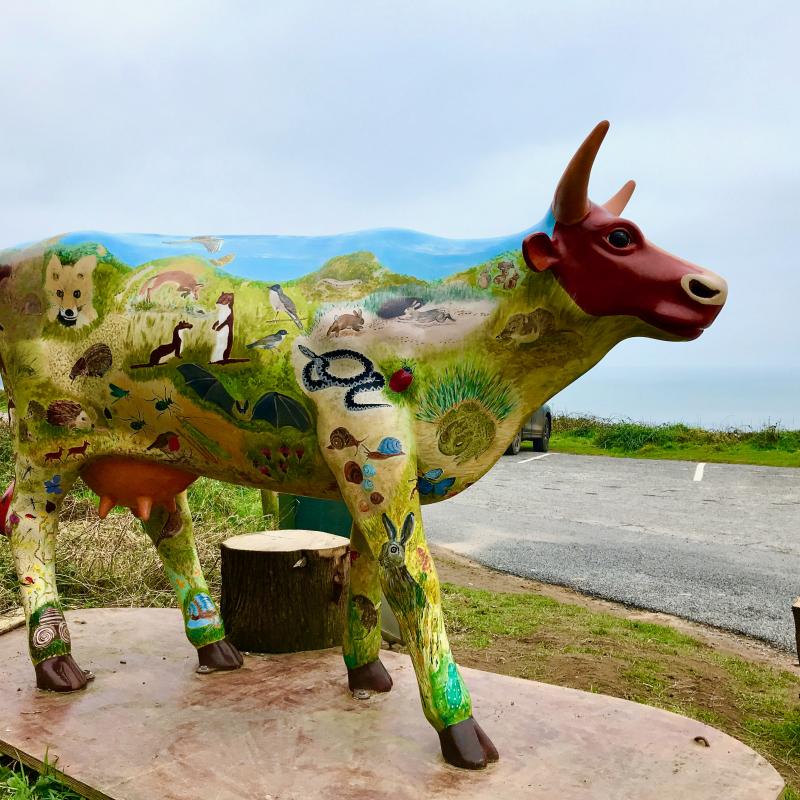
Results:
392 416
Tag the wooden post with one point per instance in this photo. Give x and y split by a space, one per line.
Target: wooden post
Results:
796 615
284 591
269 506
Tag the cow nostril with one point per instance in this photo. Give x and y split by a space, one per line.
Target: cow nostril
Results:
705 288
701 289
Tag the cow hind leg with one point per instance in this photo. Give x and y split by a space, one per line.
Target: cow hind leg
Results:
173 536
31 525
362 629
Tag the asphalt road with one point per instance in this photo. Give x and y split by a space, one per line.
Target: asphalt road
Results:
718 544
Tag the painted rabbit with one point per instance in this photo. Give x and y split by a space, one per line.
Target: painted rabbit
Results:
393 553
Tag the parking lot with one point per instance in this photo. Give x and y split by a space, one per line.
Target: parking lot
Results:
715 543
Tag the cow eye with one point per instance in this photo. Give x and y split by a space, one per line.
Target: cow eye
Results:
619 238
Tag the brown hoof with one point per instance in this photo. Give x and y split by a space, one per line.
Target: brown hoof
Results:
372 676
61 674
465 745
219 655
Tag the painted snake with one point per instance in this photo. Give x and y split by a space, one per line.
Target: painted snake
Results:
316 376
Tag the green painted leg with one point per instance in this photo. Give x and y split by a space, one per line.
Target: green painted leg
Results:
362 631
173 537
411 586
32 525
390 524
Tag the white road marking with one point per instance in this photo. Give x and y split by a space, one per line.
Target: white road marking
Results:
698 472
534 458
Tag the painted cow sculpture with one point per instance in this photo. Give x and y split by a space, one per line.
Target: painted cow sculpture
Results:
390 369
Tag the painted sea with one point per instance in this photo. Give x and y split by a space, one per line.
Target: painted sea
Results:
708 397
281 258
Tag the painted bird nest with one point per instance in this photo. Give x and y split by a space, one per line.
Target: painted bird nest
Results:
466 404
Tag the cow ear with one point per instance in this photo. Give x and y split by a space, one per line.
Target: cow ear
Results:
539 252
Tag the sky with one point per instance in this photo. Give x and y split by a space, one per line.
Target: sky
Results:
454 118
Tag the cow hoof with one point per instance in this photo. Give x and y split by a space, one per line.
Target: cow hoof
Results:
465 745
61 674
218 656
372 677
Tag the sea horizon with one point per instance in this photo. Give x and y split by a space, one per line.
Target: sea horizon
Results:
705 397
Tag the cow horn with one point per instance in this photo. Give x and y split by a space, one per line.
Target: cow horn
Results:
616 205
571 201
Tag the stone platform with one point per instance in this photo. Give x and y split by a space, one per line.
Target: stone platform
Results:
286 728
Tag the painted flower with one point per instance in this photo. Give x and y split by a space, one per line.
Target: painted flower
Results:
53 486
424 560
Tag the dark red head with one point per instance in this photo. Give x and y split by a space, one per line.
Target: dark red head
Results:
607 266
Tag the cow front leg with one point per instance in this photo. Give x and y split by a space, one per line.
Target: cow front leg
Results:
173 536
392 530
31 525
361 643
411 586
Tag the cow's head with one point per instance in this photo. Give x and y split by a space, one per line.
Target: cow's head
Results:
607 266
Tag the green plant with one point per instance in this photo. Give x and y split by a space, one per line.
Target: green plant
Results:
20 783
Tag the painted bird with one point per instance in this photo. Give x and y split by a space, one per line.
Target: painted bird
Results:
166 442
268 342
281 302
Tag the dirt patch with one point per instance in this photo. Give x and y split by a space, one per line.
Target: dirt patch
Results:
462 571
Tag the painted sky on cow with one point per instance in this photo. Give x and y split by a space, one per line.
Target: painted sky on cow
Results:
455 119
281 258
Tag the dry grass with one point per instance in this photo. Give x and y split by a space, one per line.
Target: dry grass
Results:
112 562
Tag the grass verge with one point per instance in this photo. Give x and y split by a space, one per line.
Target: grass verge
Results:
768 446
531 636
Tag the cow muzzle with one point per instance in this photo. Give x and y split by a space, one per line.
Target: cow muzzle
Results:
706 288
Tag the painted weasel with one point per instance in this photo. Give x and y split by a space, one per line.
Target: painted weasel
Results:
221 354
166 351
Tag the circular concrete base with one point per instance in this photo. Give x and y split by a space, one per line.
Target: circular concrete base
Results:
286 727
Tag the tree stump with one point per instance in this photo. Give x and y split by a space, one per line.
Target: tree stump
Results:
284 591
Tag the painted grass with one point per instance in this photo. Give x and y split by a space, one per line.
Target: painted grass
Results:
769 446
466 382
433 292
